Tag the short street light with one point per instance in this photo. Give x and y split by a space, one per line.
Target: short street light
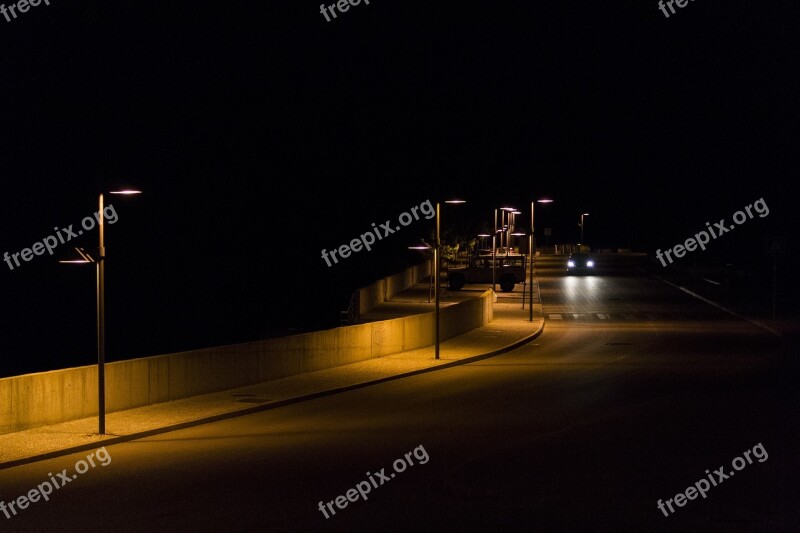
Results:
437 259
100 260
582 215
483 237
425 247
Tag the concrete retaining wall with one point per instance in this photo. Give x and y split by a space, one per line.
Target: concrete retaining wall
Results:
385 289
46 398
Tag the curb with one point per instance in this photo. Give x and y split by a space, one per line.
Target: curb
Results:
266 407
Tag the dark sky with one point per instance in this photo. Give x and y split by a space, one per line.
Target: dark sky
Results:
260 133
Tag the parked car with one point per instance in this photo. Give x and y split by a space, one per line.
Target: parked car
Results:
509 270
580 263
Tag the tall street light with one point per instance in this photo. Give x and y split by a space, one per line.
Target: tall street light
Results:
531 251
582 215
100 261
437 259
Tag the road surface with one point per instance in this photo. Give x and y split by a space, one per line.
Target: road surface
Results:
634 390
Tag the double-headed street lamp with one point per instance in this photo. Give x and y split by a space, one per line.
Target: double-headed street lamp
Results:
100 260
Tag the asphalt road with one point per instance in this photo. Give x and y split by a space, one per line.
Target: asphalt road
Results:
633 391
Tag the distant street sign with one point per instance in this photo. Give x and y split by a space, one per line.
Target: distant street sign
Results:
776 246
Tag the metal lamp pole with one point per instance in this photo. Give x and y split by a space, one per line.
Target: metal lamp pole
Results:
582 215
532 252
530 283
101 312
437 256
494 252
101 323
436 266
100 261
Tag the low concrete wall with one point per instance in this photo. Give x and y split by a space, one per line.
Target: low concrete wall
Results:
46 398
385 289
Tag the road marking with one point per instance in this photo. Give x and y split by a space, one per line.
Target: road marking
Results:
576 316
555 316
602 316
718 306
629 316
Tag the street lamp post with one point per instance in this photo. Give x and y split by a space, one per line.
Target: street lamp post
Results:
483 236
506 226
100 261
101 323
532 252
494 252
582 215
437 256
513 225
520 233
436 267
425 246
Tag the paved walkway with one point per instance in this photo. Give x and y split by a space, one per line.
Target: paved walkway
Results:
510 328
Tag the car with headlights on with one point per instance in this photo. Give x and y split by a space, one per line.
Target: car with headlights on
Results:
579 262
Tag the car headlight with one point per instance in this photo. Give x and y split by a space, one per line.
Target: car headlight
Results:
589 264
570 263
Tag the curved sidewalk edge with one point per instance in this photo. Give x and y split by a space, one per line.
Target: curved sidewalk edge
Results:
269 406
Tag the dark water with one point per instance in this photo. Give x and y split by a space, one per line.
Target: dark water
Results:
49 315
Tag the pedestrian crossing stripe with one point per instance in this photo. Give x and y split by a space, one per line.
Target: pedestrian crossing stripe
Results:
555 316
